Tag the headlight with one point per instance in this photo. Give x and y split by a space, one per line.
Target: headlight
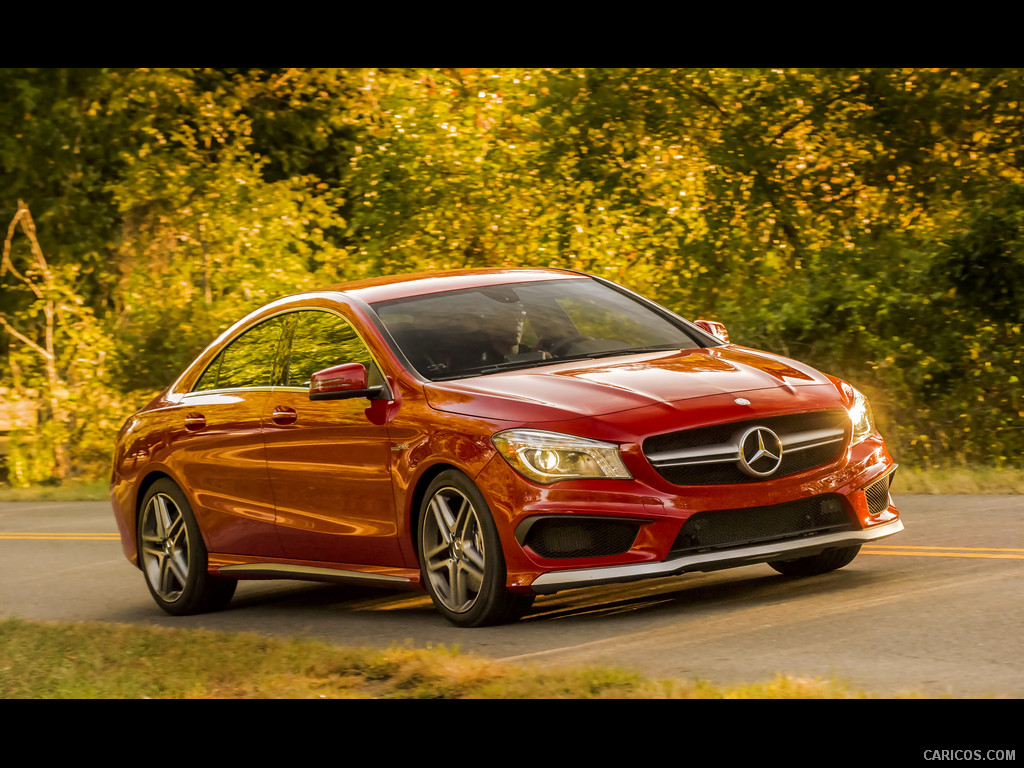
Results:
548 457
860 415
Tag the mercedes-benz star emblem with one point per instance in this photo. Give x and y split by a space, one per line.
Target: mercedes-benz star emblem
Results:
760 452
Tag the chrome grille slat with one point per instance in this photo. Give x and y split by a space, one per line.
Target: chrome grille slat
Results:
711 456
730 452
804 440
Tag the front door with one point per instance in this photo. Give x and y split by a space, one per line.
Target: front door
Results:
328 465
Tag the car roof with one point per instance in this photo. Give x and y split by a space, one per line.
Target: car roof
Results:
391 287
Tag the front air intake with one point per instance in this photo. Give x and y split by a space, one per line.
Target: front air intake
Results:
561 538
728 528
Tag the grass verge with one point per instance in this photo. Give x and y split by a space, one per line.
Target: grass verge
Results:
77 490
958 480
43 660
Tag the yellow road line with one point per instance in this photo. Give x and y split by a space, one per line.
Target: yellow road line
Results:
995 553
915 546
61 536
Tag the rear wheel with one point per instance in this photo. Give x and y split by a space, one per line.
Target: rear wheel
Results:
173 556
461 558
829 560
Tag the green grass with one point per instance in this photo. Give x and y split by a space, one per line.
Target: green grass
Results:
78 490
42 660
969 480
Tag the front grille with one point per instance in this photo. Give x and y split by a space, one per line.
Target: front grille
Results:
711 455
878 495
574 537
725 529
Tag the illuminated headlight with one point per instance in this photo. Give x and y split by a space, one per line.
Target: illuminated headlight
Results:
547 457
860 415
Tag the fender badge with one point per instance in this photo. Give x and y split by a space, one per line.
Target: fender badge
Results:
741 401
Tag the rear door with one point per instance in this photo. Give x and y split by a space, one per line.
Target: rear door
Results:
224 463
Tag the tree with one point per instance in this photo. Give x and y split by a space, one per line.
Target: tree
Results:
57 350
866 220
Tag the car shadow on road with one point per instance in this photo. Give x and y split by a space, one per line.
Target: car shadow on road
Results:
699 593
696 594
315 595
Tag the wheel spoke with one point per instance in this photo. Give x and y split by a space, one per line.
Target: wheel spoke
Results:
464 519
443 517
460 587
475 561
166 578
439 563
176 530
178 565
162 516
431 554
152 549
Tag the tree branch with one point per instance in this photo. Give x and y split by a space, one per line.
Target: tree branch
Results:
28 226
48 356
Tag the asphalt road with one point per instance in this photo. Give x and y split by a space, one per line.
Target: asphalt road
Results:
937 610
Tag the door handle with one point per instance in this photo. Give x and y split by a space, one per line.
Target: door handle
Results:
194 422
283 415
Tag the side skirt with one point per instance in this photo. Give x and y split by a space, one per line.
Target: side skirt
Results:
398 578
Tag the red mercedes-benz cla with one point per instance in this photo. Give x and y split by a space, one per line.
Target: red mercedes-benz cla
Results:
488 436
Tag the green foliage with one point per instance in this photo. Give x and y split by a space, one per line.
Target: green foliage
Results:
867 220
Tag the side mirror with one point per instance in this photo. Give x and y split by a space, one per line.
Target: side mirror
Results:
341 382
714 328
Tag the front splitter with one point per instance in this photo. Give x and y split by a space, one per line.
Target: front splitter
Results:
555 581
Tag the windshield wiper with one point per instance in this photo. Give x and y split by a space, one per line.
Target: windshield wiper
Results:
616 352
514 364
510 366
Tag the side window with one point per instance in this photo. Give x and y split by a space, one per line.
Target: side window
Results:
322 340
248 361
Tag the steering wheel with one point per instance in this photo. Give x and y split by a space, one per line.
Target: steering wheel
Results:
565 346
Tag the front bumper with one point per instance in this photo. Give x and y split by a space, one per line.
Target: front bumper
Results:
554 581
671 530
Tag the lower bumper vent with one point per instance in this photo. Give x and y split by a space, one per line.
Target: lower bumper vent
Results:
575 537
878 495
724 529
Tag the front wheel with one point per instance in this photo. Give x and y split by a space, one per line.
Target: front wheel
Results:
173 556
461 558
829 560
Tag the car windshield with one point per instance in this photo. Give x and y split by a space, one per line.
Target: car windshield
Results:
483 330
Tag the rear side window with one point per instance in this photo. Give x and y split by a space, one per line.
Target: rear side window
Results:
248 361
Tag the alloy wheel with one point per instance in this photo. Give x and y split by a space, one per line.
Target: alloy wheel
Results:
454 551
165 547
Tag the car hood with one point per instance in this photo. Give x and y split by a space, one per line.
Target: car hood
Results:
609 385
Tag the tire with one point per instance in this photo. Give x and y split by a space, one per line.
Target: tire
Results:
460 556
829 560
173 557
